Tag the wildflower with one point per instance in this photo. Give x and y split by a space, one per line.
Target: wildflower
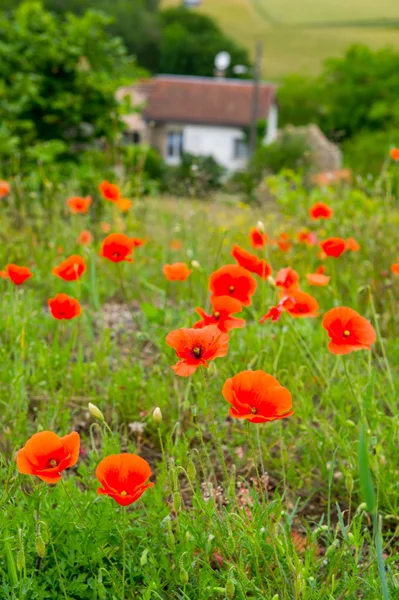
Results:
283 242
352 244
395 268
302 305
334 246
109 191
176 272
223 307
195 347
287 279
257 397
96 412
79 205
275 312
306 237
4 188
257 238
157 416
123 477
138 242
318 279
46 455
117 247
105 227
251 262
124 204
320 210
70 269
233 281
394 153
175 244
85 238
64 307
348 330
18 274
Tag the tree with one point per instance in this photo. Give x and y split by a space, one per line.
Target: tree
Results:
190 42
58 77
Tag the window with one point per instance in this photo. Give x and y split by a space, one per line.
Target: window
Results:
132 137
241 149
174 146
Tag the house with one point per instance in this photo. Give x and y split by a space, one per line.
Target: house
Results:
190 3
199 115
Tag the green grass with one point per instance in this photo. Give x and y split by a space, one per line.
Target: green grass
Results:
207 530
297 36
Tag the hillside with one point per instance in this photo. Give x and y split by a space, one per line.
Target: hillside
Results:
298 36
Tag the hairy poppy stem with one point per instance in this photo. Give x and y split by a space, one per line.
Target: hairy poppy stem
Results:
255 456
123 535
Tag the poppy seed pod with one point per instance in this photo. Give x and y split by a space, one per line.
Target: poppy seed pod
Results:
157 416
96 412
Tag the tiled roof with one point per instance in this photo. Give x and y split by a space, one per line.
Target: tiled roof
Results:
203 100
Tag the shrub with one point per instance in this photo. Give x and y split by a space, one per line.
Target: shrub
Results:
196 176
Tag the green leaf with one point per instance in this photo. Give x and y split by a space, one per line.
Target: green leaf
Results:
366 482
152 313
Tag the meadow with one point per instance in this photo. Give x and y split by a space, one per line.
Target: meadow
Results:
305 506
299 36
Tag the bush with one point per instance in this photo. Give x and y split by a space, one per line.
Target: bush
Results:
196 176
366 152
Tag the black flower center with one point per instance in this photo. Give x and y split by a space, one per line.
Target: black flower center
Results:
52 463
197 351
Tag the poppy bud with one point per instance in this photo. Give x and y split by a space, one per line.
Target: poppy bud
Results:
331 549
349 483
143 558
230 589
191 471
21 552
362 507
176 501
96 412
260 226
183 576
276 597
195 264
157 416
351 537
40 546
189 537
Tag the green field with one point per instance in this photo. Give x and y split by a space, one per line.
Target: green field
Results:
303 508
298 36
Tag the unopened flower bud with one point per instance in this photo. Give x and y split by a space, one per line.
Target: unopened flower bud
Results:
143 558
183 576
191 471
260 226
195 264
230 589
157 416
351 537
176 501
40 546
96 412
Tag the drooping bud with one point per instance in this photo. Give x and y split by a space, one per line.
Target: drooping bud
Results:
157 416
176 501
183 576
96 412
40 546
230 589
195 264
260 226
191 470
143 558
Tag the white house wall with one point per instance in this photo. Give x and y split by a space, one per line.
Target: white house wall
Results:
215 141
272 124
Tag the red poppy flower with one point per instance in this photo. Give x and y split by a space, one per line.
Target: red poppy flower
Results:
64 307
352 244
257 238
176 272
233 281
321 269
46 455
275 312
4 188
195 347
251 262
85 238
223 307
79 205
318 279
257 397
124 204
307 237
175 244
109 191
123 477
18 274
287 279
4 275
283 242
70 269
105 227
348 330
394 152
334 246
302 305
320 210
395 268
117 247
137 242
